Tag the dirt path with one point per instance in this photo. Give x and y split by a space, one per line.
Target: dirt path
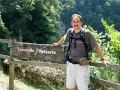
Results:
3 85
18 85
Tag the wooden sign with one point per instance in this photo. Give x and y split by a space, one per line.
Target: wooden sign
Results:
41 52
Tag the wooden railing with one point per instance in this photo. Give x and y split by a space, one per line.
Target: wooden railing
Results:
105 83
36 53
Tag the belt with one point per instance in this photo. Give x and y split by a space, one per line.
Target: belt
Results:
73 62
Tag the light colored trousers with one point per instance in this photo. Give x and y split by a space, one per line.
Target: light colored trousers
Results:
77 75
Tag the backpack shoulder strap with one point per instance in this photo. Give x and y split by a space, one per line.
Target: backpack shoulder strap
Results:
70 39
84 42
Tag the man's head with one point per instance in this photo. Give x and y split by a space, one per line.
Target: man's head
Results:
76 21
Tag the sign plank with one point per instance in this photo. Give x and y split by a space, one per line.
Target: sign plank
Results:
42 52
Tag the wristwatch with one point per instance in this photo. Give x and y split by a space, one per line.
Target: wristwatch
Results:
102 59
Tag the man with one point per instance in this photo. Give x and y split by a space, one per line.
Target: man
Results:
77 74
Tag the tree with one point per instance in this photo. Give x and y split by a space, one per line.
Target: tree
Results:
92 12
31 20
4 34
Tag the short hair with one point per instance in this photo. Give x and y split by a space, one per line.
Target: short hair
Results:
78 16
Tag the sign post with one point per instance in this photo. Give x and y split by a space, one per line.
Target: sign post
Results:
11 68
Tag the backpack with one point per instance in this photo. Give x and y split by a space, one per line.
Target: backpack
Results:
82 38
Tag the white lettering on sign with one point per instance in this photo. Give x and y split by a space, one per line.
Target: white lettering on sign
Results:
25 50
36 51
46 52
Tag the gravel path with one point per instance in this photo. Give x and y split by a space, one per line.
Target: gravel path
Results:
3 85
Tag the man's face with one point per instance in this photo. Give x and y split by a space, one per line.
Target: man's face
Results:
76 23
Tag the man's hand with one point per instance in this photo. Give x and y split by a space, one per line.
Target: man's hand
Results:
105 62
61 41
56 44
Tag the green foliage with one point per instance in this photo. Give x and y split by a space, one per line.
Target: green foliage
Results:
31 20
113 49
106 26
113 44
110 45
45 21
4 34
92 12
94 74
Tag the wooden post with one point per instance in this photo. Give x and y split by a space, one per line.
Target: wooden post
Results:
11 76
11 69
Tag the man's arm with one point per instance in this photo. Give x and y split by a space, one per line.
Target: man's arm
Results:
61 41
100 54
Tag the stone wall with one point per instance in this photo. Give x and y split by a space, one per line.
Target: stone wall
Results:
39 74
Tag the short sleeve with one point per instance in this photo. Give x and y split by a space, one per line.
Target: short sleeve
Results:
93 41
66 36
